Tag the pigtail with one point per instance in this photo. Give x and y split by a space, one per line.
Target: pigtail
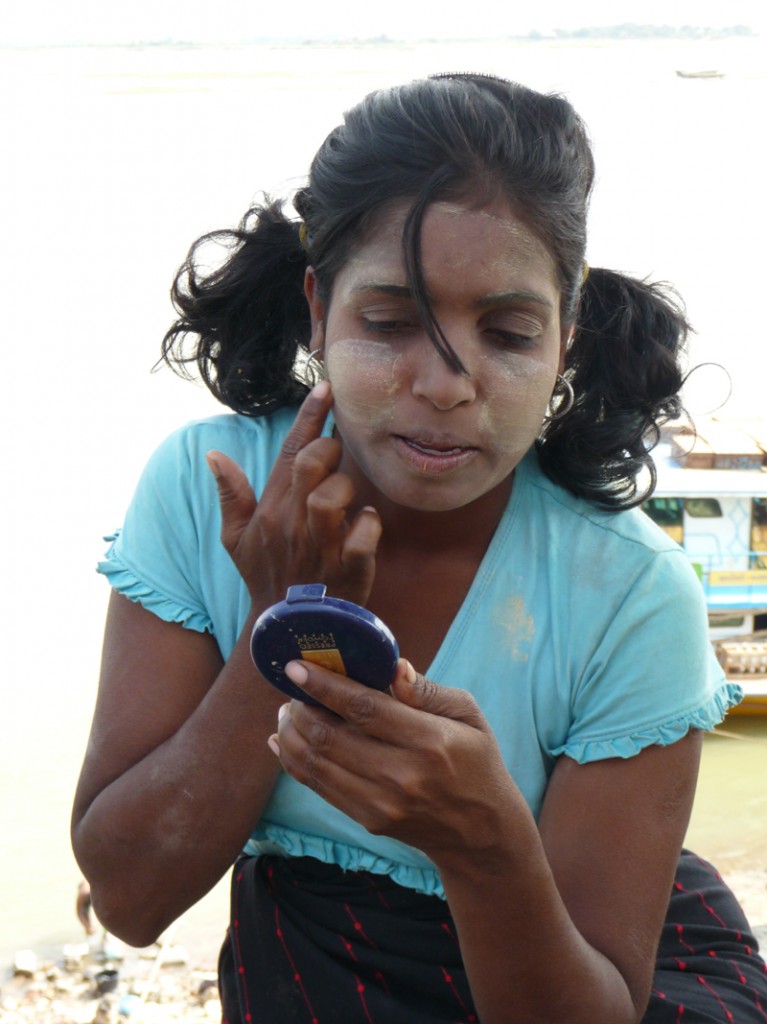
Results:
247 317
624 367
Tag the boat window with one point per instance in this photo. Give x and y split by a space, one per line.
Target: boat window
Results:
759 533
668 514
720 620
703 508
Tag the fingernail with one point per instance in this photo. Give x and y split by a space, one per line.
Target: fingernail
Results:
321 389
410 672
274 745
213 465
296 673
284 710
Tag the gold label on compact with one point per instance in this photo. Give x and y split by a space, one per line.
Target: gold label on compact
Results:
321 649
330 658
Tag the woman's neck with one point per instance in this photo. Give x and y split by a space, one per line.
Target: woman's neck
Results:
464 532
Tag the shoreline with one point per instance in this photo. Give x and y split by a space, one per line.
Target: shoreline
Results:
750 888
99 980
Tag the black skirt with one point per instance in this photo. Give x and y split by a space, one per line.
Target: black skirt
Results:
311 944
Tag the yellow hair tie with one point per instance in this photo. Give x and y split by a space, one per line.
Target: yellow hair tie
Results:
303 235
585 276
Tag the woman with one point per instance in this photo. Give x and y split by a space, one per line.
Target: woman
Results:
496 838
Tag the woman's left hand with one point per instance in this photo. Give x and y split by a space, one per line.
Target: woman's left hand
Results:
422 765
423 768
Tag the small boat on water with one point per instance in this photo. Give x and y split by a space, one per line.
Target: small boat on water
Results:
701 74
711 498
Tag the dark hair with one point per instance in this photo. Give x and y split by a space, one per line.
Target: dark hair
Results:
450 137
623 364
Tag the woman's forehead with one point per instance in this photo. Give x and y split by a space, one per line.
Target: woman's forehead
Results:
493 227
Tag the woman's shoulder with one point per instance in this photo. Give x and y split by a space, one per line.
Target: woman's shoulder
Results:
617 552
559 509
253 442
235 429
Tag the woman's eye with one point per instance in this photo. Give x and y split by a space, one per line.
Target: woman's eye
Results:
388 326
515 328
512 339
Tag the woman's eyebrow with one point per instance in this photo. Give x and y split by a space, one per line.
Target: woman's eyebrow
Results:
486 302
400 290
508 298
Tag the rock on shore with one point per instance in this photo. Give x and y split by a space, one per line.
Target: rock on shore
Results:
107 985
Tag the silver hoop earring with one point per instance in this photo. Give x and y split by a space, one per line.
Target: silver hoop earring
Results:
562 399
314 368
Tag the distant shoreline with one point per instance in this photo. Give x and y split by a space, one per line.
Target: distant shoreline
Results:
628 32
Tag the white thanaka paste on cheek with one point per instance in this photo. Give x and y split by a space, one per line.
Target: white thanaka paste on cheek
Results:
516 419
364 378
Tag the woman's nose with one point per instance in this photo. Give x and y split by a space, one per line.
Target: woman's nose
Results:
438 383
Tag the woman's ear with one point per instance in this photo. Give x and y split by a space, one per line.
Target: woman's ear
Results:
564 345
316 310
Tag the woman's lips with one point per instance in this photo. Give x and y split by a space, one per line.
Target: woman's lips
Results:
433 449
432 455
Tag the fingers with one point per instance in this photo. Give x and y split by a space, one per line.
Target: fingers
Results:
341 769
397 769
308 734
305 474
357 704
305 457
329 528
326 494
402 722
306 428
415 690
358 555
301 527
235 496
387 765
347 767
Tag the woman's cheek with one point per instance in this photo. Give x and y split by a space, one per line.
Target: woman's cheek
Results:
518 392
363 375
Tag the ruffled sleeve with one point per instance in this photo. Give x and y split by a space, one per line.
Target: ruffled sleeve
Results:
271 838
653 676
168 556
163 556
663 734
124 580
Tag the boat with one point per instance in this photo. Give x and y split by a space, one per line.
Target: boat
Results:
711 498
701 74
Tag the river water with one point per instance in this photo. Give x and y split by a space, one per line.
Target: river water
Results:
115 160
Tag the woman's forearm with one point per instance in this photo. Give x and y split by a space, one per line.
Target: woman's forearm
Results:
526 961
559 919
158 836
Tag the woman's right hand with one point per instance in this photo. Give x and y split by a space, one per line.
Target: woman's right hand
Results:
178 769
302 529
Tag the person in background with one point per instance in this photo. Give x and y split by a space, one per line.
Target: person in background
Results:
497 837
84 907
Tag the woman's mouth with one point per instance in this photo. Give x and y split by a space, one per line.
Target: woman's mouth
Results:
433 450
431 455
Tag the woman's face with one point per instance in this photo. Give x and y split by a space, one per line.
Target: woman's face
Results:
414 430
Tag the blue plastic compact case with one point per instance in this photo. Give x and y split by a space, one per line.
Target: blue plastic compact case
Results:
327 631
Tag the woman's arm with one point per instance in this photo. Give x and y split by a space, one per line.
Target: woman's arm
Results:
177 769
585 894
557 922
175 774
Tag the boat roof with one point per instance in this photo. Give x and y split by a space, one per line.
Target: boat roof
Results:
722 457
676 481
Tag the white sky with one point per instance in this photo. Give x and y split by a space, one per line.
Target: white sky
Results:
66 21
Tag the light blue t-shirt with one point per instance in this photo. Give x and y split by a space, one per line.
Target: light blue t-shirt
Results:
584 632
